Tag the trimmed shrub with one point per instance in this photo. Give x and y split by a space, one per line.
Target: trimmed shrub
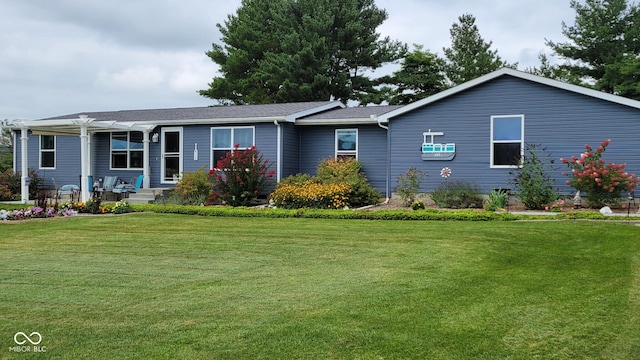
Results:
457 195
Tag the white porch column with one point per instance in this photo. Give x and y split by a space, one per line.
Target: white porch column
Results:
84 167
146 180
24 166
89 161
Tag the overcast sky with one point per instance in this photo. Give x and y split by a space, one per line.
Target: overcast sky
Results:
67 56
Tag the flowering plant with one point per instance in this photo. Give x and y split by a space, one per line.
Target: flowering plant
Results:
34 212
556 206
121 207
239 177
603 183
311 194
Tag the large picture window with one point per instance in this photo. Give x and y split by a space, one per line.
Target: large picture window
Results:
346 143
127 150
507 140
225 139
47 152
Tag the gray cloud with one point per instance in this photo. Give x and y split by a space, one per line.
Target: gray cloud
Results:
68 56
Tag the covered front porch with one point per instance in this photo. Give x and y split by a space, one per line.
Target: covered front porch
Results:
83 127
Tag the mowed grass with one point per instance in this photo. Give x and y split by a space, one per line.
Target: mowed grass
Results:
144 286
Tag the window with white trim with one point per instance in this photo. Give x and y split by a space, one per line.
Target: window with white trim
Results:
127 150
346 143
47 152
225 139
507 140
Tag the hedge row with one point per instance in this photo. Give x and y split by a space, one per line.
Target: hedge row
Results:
428 214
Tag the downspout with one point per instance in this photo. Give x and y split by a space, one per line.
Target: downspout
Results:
278 150
387 189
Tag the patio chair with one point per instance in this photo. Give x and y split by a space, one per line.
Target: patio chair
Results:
108 186
71 190
125 188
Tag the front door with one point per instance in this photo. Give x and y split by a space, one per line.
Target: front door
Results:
171 155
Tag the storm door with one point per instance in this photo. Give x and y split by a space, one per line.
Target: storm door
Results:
171 154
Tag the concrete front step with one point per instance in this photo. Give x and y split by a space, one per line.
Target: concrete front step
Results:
142 196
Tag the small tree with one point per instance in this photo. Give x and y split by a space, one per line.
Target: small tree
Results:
532 180
603 183
240 177
409 185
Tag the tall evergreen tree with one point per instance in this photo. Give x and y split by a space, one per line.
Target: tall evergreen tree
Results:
469 55
421 74
299 50
603 50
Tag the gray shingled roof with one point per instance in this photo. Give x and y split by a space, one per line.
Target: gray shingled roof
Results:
212 112
360 112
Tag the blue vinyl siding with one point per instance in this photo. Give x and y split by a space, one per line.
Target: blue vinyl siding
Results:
559 120
291 150
317 143
265 142
67 170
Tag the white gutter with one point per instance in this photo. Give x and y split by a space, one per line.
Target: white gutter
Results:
278 151
387 189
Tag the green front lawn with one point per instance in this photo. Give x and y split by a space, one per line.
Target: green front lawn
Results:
144 286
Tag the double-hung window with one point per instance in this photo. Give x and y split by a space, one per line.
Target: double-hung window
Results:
47 152
226 139
127 150
347 143
507 140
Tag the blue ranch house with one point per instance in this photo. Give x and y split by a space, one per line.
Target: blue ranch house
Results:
478 129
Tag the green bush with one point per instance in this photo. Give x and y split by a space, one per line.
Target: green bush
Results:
417 205
193 188
497 200
298 179
12 182
349 171
532 180
457 195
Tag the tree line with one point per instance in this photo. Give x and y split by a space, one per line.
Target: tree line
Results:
277 51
